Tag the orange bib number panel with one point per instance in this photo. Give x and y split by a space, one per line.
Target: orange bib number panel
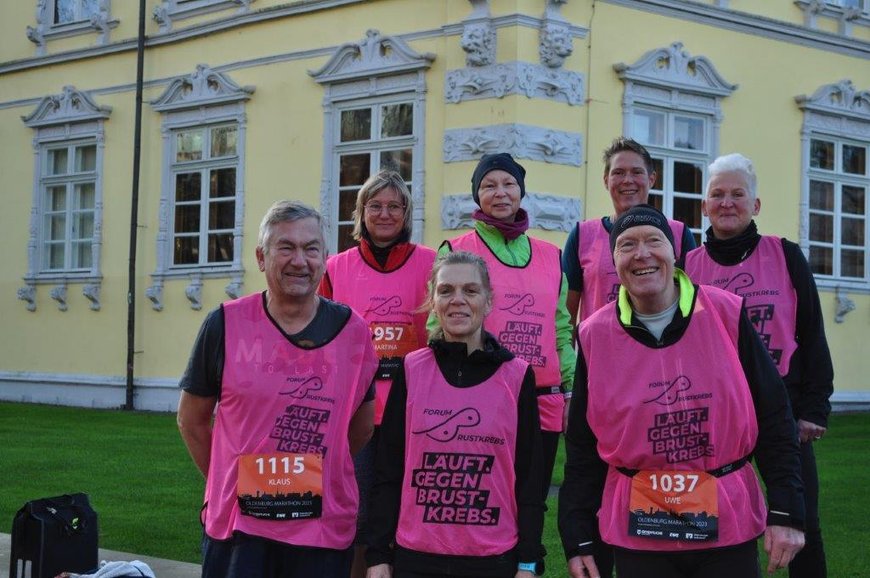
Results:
392 342
281 486
674 505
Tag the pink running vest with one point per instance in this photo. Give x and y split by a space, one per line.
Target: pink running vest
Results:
458 494
600 283
682 407
280 400
523 316
764 283
389 301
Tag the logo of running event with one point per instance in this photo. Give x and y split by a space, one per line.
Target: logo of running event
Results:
391 305
759 314
300 387
670 390
448 429
739 282
520 306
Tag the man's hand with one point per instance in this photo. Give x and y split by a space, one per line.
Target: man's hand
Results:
810 432
380 571
781 543
583 567
565 416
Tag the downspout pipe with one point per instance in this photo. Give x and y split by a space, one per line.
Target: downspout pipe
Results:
134 212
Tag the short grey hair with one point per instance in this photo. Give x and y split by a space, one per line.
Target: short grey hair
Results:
733 163
284 211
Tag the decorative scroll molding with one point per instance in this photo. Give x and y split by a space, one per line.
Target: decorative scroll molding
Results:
193 292
154 293
204 87
71 105
845 16
521 141
234 288
166 13
478 35
375 55
100 21
546 212
58 293
673 67
556 42
92 292
500 80
28 294
839 99
844 306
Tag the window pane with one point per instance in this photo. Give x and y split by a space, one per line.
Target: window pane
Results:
659 168
688 178
854 160
223 141
852 231
186 251
187 219
648 127
853 200
221 215
86 158
398 120
56 199
55 255
82 255
354 170
822 154
188 187
822 260
399 161
821 228
223 183
852 263
656 200
188 146
220 248
346 204
356 124
821 195
65 11
85 195
688 211
345 240
57 227
83 226
57 161
689 133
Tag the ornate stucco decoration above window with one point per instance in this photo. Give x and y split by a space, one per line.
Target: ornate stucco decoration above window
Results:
374 67
846 16
547 212
168 11
69 117
99 21
204 98
484 78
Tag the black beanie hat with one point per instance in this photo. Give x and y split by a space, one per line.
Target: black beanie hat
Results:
493 162
637 216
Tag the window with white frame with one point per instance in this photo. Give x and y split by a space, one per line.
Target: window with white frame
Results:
679 145
839 184
168 11
376 136
71 11
204 168
863 5
62 18
375 95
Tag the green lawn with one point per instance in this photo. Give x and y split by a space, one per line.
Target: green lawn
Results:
147 491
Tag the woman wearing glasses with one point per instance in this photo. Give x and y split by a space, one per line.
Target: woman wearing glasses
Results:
383 280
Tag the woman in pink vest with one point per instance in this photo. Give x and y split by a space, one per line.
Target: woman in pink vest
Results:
779 294
384 281
458 476
674 392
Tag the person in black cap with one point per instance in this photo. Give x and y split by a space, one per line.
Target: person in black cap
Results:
529 317
658 444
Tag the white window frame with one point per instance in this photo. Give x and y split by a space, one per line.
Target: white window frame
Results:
46 29
65 120
374 71
835 113
846 16
204 99
671 82
169 11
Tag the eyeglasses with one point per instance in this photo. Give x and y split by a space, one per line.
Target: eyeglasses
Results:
394 209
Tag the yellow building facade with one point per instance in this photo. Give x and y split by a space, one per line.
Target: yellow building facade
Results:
248 101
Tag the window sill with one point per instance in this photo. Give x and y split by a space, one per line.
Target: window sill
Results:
193 291
91 285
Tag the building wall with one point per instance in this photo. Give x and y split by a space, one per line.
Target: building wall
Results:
78 356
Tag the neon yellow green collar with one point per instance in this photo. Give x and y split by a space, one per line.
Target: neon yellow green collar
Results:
687 295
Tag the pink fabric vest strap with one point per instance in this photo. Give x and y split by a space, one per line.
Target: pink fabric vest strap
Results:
523 316
764 283
389 301
277 398
458 491
682 407
600 283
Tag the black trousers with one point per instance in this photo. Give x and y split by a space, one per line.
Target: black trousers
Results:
810 561
245 556
739 561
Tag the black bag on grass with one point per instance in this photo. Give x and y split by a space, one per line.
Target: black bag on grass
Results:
54 535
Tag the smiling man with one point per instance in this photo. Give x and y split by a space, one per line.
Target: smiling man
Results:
628 176
290 374
658 442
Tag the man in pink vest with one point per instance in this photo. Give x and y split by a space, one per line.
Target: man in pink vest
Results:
674 392
586 261
779 294
290 376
